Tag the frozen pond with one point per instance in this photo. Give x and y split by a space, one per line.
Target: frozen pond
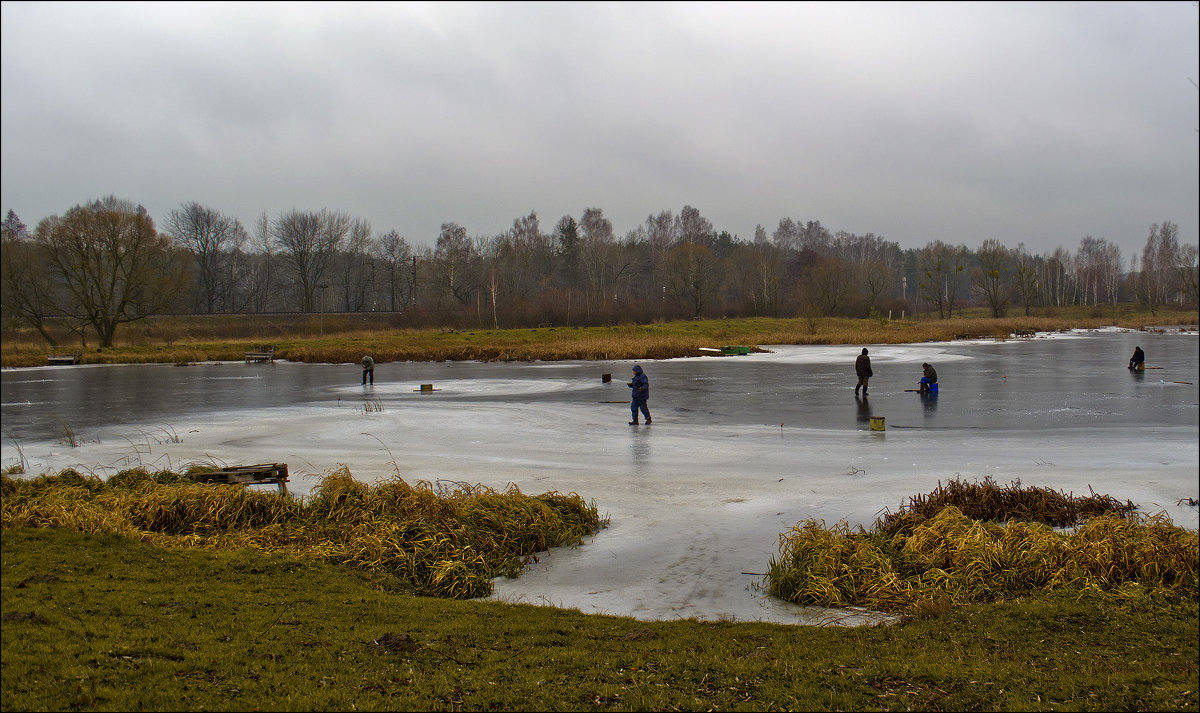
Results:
741 448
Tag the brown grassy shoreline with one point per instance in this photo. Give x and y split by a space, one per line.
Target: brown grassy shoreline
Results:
346 338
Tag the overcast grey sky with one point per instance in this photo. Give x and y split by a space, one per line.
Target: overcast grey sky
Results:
1038 123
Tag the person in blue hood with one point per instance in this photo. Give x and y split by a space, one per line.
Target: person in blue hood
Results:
641 395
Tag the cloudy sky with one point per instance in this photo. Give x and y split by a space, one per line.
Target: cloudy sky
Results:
1037 123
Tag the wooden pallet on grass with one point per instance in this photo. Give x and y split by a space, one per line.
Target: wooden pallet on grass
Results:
261 474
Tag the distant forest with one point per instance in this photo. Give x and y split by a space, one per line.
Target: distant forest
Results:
106 263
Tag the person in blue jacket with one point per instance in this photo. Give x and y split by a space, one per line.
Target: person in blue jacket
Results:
641 395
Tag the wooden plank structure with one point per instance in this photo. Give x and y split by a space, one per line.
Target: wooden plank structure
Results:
63 358
261 474
266 353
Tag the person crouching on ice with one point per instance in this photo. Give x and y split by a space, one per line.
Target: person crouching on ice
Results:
641 395
1137 362
928 380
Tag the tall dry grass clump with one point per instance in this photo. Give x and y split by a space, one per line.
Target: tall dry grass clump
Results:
407 537
939 553
988 500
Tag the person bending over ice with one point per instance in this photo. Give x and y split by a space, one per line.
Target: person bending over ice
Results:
928 379
368 365
1138 360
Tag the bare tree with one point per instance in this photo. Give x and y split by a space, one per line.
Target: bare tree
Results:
992 280
13 228
1025 277
941 267
308 241
693 227
827 285
694 273
767 273
524 258
262 278
661 236
1056 269
211 238
1189 278
599 256
1109 267
456 262
872 261
878 276
1160 258
1097 269
396 254
113 264
26 285
787 235
816 238
355 266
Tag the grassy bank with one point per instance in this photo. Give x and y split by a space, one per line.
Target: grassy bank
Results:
406 538
215 597
347 338
105 622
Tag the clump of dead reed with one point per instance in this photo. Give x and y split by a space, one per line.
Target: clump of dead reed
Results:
407 537
988 500
937 553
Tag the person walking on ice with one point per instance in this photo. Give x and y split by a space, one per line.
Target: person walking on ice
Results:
862 367
368 365
640 396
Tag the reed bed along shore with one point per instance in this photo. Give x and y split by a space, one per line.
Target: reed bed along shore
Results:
978 542
404 537
178 340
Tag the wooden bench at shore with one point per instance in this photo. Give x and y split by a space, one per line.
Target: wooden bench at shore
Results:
64 359
261 474
266 354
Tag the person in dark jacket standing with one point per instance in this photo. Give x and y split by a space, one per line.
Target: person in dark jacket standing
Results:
1138 360
641 395
862 367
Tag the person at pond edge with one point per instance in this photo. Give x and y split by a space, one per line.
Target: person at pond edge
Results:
862 367
928 379
641 395
1138 360
368 365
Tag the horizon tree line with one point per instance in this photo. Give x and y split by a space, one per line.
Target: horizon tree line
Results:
106 263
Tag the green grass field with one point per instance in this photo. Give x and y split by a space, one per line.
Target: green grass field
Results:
103 622
147 593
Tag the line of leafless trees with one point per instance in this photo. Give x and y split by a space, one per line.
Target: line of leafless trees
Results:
106 263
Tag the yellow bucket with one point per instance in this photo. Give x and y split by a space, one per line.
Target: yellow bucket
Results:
877 423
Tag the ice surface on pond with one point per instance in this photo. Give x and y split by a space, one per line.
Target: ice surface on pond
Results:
741 448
